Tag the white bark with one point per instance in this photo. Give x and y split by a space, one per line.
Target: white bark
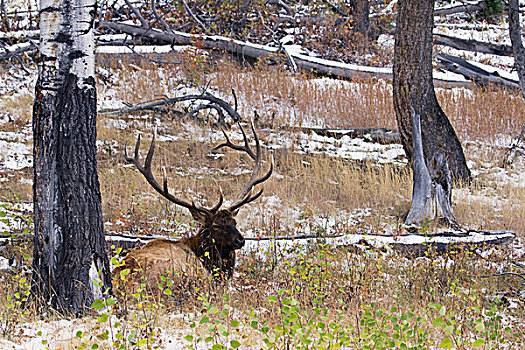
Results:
67 42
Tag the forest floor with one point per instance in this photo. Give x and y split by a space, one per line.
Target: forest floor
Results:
294 294
302 293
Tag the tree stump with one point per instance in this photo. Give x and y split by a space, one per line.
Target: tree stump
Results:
432 188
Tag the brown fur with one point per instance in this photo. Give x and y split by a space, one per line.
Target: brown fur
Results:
162 257
186 262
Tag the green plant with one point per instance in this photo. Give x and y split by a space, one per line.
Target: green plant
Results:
221 328
392 329
472 326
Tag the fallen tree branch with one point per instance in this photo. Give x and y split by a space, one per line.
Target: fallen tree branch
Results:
137 14
16 50
160 104
158 17
466 7
472 45
281 4
520 275
474 73
379 135
192 15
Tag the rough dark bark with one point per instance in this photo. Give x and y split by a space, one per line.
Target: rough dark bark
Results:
517 44
413 87
67 201
519 61
69 235
362 17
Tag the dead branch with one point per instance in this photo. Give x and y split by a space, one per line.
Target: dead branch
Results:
472 45
161 105
137 14
465 7
281 4
158 17
17 50
192 15
474 73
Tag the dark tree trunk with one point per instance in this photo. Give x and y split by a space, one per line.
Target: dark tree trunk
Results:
414 88
362 17
519 61
69 236
517 43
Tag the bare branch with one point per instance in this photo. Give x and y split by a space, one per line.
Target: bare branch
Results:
137 14
159 18
192 15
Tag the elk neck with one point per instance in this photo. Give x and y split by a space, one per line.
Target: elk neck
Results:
213 257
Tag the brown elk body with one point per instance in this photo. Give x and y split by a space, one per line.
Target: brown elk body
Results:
196 260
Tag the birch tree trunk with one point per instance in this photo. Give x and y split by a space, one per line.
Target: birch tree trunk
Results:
69 235
414 88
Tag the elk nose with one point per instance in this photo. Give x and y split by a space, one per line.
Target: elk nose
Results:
239 242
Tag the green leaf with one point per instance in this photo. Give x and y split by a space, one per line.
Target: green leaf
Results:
111 301
98 304
103 318
167 291
439 322
446 343
205 319
480 327
189 337
235 344
272 298
442 311
479 343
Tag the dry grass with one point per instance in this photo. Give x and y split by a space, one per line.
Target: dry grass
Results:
339 281
321 184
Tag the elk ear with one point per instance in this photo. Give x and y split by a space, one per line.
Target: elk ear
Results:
197 214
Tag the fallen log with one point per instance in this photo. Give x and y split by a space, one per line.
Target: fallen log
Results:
472 241
409 244
16 50
465 7
474 73
251 51
379 135
412 244
472 45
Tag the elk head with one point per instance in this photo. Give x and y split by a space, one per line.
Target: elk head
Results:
218 237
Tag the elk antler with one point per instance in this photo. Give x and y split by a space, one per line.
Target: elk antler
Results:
246 194
148 175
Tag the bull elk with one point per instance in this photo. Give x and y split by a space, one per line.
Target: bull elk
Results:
211 251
